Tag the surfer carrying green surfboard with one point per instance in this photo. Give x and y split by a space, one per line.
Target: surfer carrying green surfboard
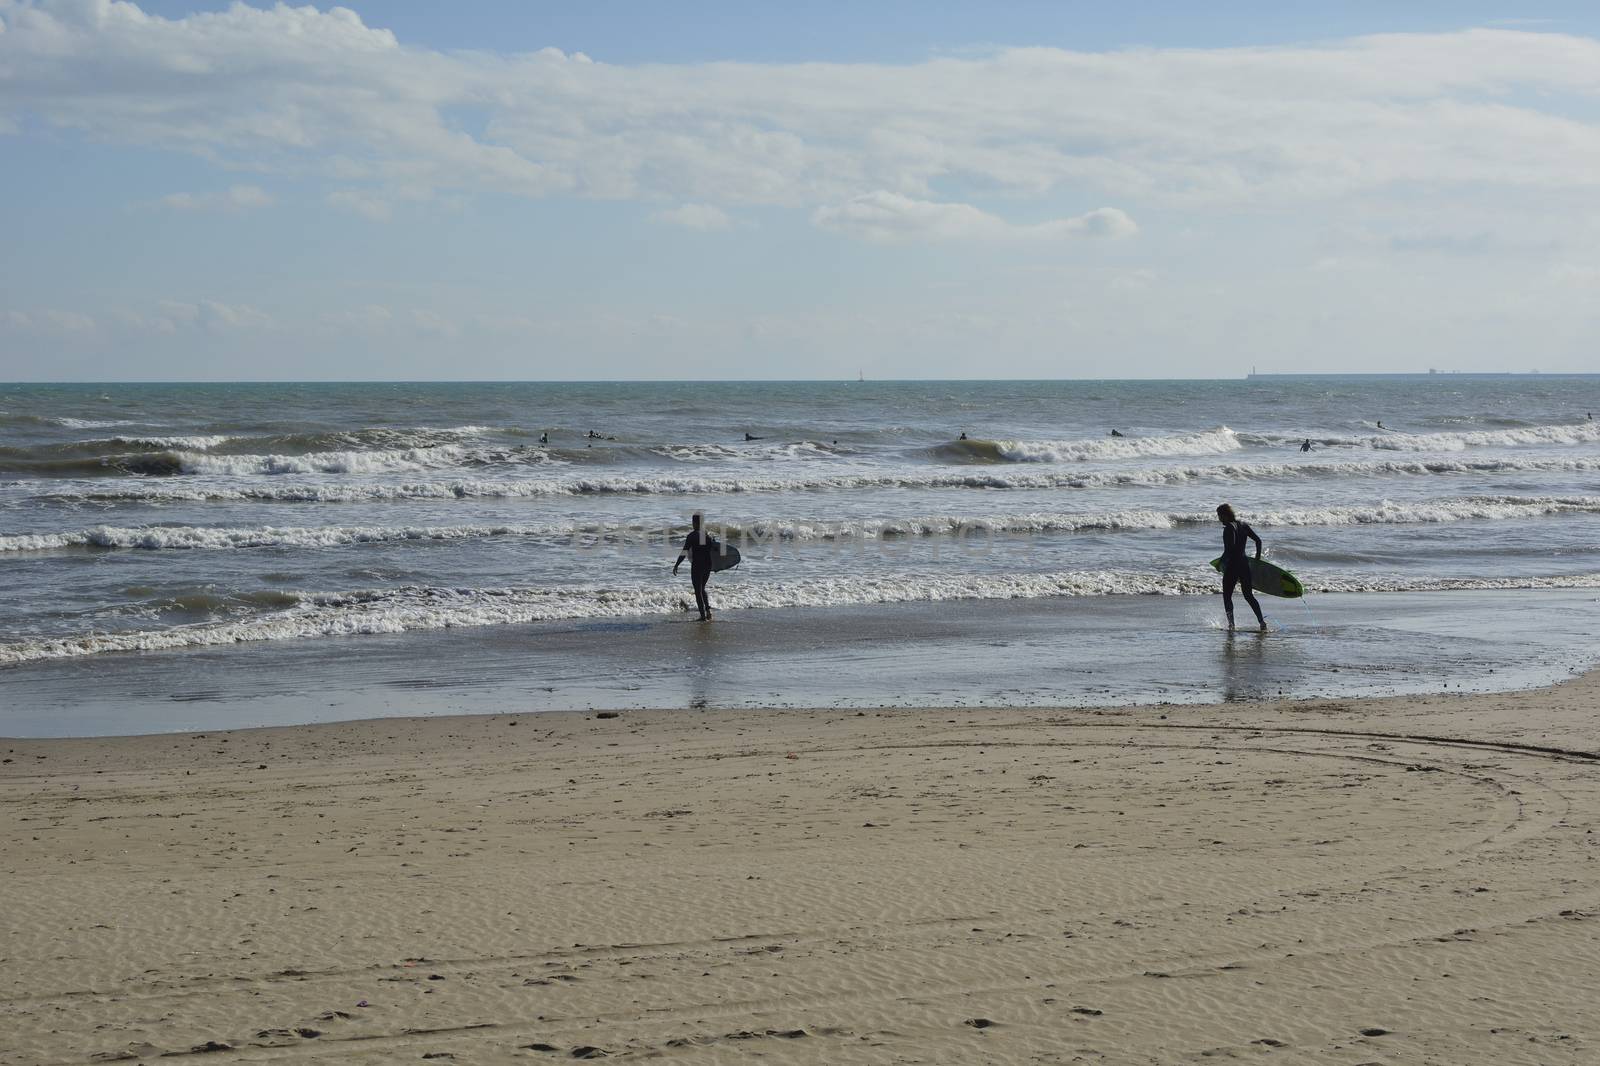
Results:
1235 566
698 548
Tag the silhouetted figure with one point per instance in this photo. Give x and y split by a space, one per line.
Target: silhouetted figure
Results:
1235 565
1117 433
1380 425
749 437
963 437
1306 447
595 436
699 549
544 438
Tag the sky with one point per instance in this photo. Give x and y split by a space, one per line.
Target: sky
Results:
513 190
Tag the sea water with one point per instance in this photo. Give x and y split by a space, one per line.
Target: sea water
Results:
313 518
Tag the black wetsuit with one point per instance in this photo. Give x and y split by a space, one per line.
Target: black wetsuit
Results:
1236 536
701 548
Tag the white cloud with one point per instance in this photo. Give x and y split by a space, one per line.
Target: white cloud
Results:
219 317
234 198
378 203
369 318
1132 281
48 321
176 314
505 325
365 204
695 216
888 217
212 316
431 323
320 92
68 321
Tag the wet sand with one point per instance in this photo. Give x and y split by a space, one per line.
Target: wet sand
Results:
1402 880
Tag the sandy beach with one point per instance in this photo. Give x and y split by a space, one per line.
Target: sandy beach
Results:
1405 880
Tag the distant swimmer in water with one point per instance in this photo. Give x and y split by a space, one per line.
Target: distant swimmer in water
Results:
962 437
699 548
1117 433
1306 447
595 436
544 438
1380 425
1235 566
749 437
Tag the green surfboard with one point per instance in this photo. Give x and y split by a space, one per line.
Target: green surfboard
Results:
724 557
1269 580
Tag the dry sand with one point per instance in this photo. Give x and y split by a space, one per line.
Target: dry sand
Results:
1391 881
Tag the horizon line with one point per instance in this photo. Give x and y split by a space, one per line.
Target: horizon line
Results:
794 381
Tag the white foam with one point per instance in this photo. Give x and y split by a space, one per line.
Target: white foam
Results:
697 453
1466 508
426 607
429 608
751 451
349 462
1211 442
1528 436
204 537
197 443
981 478
1383 513
378 461
68 422
755 533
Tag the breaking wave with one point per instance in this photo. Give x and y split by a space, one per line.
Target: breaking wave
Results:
1579 433
746 534
184 461
1211 442
419 607
906 479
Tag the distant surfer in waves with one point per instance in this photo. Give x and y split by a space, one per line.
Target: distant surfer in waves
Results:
1235 566
698 548
1117 433
1306 447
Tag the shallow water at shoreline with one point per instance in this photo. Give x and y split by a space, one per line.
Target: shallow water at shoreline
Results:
160 517
200 556
1065 652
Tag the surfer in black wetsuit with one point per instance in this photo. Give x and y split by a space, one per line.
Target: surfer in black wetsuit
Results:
698 548
1306 447
1235 566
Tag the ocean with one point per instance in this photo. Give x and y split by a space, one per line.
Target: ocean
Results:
280 539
